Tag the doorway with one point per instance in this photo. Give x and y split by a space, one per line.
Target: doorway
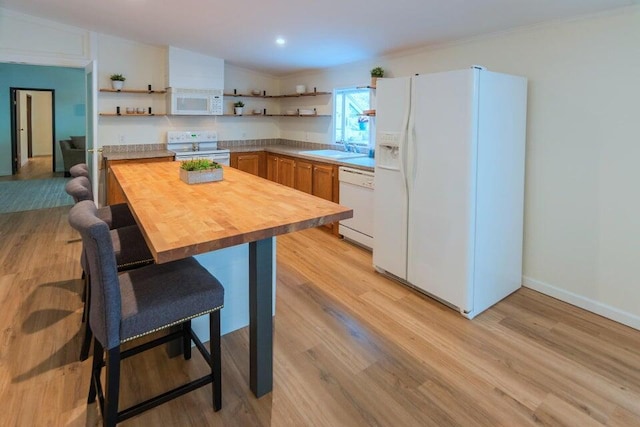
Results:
33 151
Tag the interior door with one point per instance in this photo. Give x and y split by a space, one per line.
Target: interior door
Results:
91 82
29 129
19 133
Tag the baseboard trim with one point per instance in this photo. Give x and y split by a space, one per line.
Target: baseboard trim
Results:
596 307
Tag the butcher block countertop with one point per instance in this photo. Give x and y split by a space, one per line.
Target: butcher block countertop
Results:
180 220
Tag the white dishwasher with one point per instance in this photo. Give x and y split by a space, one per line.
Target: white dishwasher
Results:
356 192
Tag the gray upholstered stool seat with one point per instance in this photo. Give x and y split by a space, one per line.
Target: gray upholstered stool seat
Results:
115 216
130 248
149 303
128 305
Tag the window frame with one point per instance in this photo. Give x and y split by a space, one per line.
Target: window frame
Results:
341 118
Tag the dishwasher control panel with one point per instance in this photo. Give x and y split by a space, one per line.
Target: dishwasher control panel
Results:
358 177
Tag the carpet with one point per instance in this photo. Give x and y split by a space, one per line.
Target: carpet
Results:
27 195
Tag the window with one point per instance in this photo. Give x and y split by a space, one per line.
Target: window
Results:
350 125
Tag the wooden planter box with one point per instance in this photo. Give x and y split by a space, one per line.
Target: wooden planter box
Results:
198 177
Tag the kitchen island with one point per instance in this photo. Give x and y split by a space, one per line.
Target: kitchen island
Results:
180 220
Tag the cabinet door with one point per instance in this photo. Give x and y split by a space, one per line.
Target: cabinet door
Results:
272 167
323 181
115 194
304 174
249 163
233 160
286 171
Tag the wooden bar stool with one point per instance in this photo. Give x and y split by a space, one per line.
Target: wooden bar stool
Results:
132 304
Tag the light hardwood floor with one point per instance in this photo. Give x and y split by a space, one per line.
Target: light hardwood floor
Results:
352 348
38 167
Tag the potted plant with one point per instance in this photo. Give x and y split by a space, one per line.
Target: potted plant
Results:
117 81
362 122
197 171
375 73
238 108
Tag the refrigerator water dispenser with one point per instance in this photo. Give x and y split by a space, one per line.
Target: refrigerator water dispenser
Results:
388 157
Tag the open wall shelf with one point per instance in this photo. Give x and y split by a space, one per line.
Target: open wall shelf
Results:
264 95
138 91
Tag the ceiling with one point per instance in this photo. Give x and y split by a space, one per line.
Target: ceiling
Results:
319 34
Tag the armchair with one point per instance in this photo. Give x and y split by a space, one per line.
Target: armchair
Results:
73 152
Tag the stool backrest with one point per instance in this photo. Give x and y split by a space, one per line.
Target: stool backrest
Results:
79 188
105 309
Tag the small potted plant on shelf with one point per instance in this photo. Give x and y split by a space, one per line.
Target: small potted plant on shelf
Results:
197 171
117 81
375 73
362 122
238 108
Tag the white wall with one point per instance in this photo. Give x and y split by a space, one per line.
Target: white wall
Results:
243 81
31 40
582 210
142 65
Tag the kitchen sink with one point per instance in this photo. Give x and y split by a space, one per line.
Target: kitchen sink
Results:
332 154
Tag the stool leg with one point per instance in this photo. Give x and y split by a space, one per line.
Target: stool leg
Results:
85 297
216 356
112 388
186 340
86 342
84 291
96 367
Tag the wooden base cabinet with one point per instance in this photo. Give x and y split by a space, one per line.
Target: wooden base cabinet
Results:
325 185
281 169
319 179
304 176
251 162
114 192
323 176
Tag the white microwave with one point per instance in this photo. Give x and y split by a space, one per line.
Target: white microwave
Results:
195 102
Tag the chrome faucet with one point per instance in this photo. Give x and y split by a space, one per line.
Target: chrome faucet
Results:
350 147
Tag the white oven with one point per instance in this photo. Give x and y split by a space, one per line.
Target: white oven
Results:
198 102
197 145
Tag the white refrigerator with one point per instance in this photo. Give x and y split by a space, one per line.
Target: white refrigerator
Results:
449 179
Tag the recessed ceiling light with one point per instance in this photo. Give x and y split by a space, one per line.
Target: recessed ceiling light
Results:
280 41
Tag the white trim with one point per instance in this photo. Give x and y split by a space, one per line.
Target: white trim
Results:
596 307
36 56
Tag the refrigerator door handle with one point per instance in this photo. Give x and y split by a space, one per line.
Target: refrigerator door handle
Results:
402 144
411 152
